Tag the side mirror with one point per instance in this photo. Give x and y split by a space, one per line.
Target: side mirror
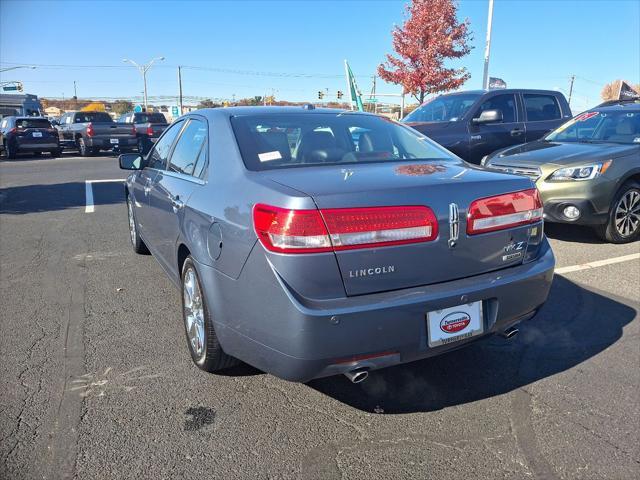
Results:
489 116
130 161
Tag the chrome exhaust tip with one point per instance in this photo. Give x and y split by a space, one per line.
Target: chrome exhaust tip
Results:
358 375
510 333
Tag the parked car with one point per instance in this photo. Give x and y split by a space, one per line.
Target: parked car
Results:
149 126
29 135
91 132
476 123
587 170
307 254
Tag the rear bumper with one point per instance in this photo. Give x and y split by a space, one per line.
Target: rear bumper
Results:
38 147
262 322
105 143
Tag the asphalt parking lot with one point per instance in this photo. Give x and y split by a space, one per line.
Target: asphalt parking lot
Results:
96 380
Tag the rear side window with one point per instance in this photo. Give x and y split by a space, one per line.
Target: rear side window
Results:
33 123
158 156
505 103
541 107
185 155
298 140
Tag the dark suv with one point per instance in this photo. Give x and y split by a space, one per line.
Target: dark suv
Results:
476 123
29 135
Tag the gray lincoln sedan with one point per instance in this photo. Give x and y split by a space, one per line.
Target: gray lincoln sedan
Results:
310 242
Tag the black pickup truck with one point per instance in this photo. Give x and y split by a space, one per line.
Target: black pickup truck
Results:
90 132
476 123
148 125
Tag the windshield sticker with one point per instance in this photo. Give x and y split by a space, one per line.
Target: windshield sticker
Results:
269 156
586 116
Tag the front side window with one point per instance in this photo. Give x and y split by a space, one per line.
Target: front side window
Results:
298 140
446 108
541 107
158 156
504 103
188 148
600 127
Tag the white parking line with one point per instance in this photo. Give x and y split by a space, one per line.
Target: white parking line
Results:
599 263
88 192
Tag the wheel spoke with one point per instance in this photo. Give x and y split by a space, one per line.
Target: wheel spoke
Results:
194 313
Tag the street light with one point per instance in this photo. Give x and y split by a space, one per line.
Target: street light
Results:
143 69
30 67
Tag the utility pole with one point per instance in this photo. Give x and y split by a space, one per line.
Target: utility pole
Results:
373 94
143 69
180 88
487 50
573 77
75 95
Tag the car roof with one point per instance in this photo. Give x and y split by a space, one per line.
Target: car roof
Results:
261 110
503 90
618 107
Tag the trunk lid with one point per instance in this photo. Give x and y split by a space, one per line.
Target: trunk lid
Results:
434 184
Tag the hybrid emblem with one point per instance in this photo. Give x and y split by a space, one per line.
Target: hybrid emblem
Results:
454 224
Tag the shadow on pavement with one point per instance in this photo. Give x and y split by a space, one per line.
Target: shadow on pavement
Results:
572 233
59 196
575 325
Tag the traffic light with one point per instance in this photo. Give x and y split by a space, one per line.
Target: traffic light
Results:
340 94
320 94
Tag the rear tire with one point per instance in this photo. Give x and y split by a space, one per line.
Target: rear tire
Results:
202 341
55 153
10 150
83 149
623 222
136 242
36 154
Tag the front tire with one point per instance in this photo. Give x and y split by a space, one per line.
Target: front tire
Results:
136 242
623 223
55 153
204 347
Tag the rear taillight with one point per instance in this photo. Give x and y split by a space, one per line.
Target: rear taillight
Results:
311 231
90 131
150 130
504 211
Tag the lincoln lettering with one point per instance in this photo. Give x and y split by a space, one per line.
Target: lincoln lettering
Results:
367 272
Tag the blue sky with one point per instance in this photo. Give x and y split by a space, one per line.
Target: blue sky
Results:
535 44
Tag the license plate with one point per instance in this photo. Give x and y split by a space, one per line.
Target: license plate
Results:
37 134
453 324
114 141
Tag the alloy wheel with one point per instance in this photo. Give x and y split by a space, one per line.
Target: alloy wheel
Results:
627 214
194 313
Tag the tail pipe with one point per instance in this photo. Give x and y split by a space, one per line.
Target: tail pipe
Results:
358 375
510 332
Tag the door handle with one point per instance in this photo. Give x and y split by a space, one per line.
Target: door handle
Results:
516 132
177 204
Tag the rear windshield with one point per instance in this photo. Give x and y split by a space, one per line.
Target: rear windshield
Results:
298 140
33 123
150 118
600 127
445 108
97 117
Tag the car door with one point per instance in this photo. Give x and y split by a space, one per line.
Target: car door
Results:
488 137
172 188
155 161
542 114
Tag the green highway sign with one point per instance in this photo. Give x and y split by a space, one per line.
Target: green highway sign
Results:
370 100
10 88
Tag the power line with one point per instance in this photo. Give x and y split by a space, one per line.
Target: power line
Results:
196 67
